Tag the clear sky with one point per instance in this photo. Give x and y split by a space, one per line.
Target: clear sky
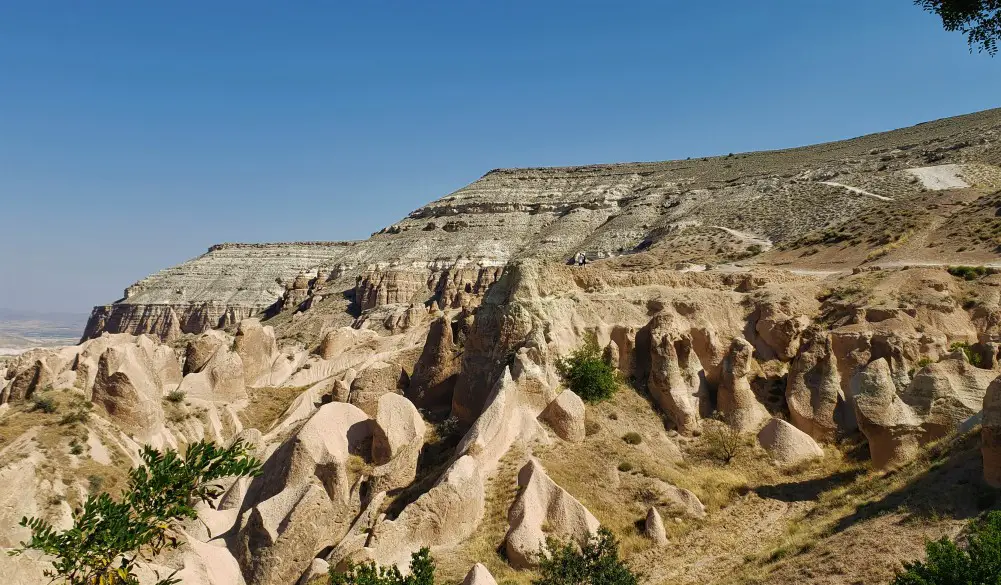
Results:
133 135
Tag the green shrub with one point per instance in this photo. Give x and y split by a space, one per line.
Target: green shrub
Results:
595 563
970 272
175 397
632 438
108 538
587 374
923 362
978 564
422 567
972 356
625 467
43 403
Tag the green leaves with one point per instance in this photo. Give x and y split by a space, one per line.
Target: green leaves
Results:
595 563
979 20
422 568
947 564
587 374
108 538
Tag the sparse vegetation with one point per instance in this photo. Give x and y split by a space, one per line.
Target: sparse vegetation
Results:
110 538
175 397
632 438
947 564
970 272
722 440
422 569
587 374
971 355
597 562
44 404
625 467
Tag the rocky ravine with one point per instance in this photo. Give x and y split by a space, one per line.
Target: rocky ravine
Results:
402 390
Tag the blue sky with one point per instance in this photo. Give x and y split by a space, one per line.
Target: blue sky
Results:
133 135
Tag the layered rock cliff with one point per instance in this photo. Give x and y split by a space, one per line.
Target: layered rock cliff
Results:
711 210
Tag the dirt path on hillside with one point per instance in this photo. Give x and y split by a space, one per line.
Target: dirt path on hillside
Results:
856 190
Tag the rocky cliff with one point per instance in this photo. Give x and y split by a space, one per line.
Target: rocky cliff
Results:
808 307
708 210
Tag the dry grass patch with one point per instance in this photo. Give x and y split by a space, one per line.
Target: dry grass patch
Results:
266 405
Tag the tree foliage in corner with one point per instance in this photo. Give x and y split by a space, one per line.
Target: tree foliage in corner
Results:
422 569
947 564
979 20
595 563
109 538
587 374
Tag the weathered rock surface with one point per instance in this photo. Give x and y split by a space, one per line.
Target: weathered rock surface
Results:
787 444
437 369
991 434
813 389
303 501
735 397
479 575
890 425
373 382
256 346
129 386
566 416
653 527
397 439
542 503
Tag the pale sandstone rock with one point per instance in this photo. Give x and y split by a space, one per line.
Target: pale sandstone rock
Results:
303 501
947 393
222 378
813 388
397 439
337 341
479 575
317 570
780 331
445 515
34 377
787 444
201 349
890 425
437 369
256 346
677 380
129 388
373 382
653 527
566 416
540 503
991 434
734 396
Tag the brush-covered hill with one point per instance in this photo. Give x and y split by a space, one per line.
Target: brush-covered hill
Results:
806 342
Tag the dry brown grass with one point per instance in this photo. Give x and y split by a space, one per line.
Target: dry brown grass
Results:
266 405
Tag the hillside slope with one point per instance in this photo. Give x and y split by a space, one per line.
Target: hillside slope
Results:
805 309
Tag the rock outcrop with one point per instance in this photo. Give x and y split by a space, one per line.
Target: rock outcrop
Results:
813 389
788 445
653 527
734 397
543 504
890 425
397 439
991 434
566 416
479 575
130 384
